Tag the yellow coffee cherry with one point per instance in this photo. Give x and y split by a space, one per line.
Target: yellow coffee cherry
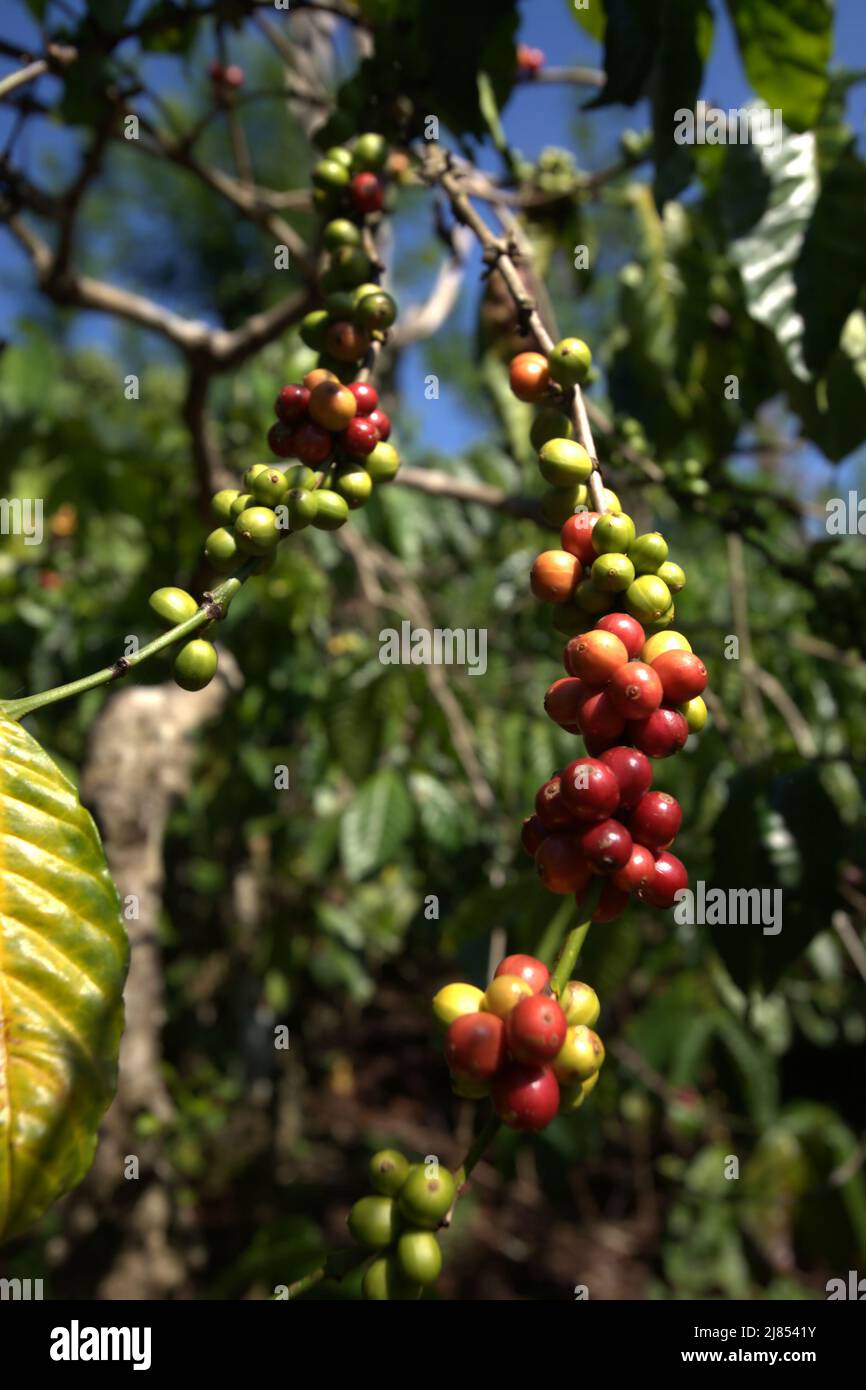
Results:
503 993
580 1004
664 642
572 1096
696 714
580 1056
454 1000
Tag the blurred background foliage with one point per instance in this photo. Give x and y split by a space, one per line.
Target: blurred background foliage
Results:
708 263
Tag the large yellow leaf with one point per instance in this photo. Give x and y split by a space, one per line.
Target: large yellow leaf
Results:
63 959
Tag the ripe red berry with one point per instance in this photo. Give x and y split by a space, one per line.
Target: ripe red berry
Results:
233 76
382 422
598 717
529 375
596 746
529 60
312 444
291 404
576 536
281 440
475 1046
627 629
656 819
662 734
606 846
367 193
560 864
594 656
550 806
632 770
531 835
590 790
640 865
367 397
525 1097
635 690
528 968
360 437
612 902
669 875
563 700
682 674
535 1029
553 576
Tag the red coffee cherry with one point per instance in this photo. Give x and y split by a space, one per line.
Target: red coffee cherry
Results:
656 819
599 717
682 674
475 1046
529 60
366 396
553 576
529 376
563 700
632 770
627 629
576 536
669 875
550 806
560 864
291 404
640 866
525 1097
312 444
535 1029
531 834
596 746
382 422
635 690
612 902
346 342
367 193
606 846
360 436
594 656
662 734
528 968
281 440
590 790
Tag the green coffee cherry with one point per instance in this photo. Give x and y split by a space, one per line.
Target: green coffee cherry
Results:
221 550
195 664
173 606
648 552
355 484
302 506
341 232
570 361
331 176
252 473
609 501
222 502
240 504
385 1282
299 475
388 1171
369 152
373 1222
589 599
613 532
340 305
383 463
696 714
647 598
673 575
425 1200
332 510
612 573
659 624
557 505
351 266
363 290
564 462
376 311
548 424
580 1004
256 530
313 328
419 1256
339 155
270 487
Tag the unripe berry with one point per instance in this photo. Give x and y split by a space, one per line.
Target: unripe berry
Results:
222 502
419 1256
195 665
302 507
673 575
270 487
455 1000
647 598
549 423
663 642
332 405
376 312
385 1282
570 361
581 1055
613 534
221 550
612 573
370 151
553 576
383 464
425 1198
346 343
529 376
355 485
563 462
332 510
173 606
388 1170
695 714
580 1004
341 232
256 530
647 552
503 993
373 1222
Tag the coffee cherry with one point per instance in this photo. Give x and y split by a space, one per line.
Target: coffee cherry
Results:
369 151
366 396
332 405
528 968
563 700
373 1222
673 575
313 327
529 376
340 155
281 439
695 714
311 444
221 550
532 832
388 1171
560 864
553 576
683 675
270 487
332 510
330 175
612 903
312 379
425 1199
635 690
550 807
576 536
639 867
633 773
563 462
664 642
590 599
589 789
222 502
256 530
549 423
606 846
346 343
609 501
381 421
525 1097
302 507
367 193
559 503
595 656
173 606
350 267
647 598
195 665
535 1029
580 1004
360 437
612 573
668 877
580 1056
291 404
383 464
504 992
570 361
572 1097
596 746
419 1256
613 534
355 484
240 504
385 1282
361 291
656 819
252 473
628 630
663 734
599 718
530 61
455 1000
341 232
376 312
647 552
475 1046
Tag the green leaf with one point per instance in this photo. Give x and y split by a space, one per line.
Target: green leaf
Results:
591 14
630 41
438 810
375 824
684 44
63 958
785 46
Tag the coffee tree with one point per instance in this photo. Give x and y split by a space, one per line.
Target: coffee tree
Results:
641 477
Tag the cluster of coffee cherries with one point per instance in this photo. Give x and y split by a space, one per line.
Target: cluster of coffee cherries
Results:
397 1221
195 662
535 1056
